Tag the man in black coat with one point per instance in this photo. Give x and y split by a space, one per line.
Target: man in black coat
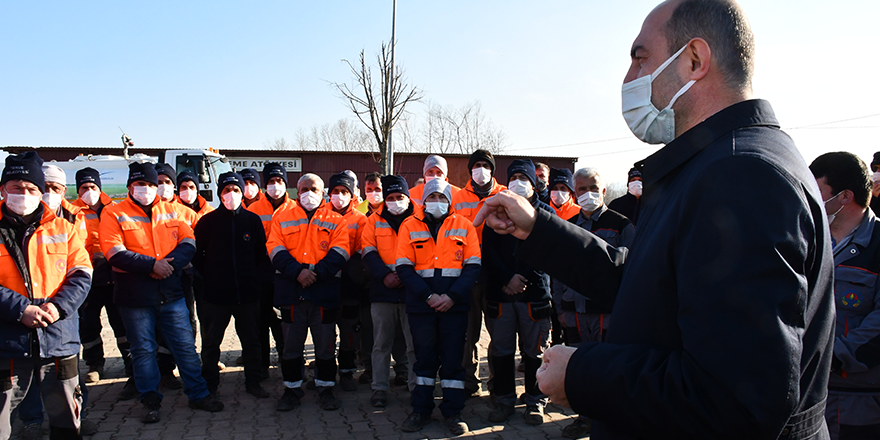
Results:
230 250
723 310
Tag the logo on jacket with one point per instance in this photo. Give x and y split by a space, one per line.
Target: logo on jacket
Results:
851 299
61 265
324 245
459 255
174 235
246 236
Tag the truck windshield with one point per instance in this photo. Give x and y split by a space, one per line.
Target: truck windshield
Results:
220 166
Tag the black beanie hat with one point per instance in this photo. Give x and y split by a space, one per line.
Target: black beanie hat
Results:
479 155
25 166
524 166
394 184
341 179
275 169
164 168
186 175
562 176
88 175
250 174
876 160
633 173
229 178
142 171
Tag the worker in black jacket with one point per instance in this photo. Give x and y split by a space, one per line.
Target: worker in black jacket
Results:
517 302
230 252
723 309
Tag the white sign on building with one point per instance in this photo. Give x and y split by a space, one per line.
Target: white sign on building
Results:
291 164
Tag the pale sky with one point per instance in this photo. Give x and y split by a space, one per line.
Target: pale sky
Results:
228 75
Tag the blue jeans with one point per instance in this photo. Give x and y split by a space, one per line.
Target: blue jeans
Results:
172 319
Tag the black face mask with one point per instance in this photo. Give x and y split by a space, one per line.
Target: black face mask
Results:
542 185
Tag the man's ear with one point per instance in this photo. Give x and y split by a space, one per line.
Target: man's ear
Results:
699 57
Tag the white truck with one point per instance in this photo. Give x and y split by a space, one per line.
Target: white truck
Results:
207 165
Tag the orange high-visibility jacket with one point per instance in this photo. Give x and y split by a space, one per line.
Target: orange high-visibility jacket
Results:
321 244
132 242
449 265
467 203
415 193
379 252
189 215
568 209
356 221
102 274
59 271
93 221
263 208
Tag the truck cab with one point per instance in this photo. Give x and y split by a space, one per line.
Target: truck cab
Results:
207 165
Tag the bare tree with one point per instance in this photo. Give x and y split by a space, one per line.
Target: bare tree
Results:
278 144
462 130
379 110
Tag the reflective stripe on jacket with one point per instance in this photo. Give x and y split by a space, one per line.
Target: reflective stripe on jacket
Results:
133 241
467 203
449 265
379 252
321 244
263 208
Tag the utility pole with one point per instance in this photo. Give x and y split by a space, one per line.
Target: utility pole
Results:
389 98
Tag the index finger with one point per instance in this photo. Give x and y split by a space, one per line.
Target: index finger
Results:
488 205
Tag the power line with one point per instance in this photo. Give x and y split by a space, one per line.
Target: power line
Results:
835 122
817 126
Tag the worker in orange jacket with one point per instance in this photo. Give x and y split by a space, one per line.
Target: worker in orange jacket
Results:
92 200
267 205
387 295
165 192
435 168
45 275
561 190
147 245
355 280
308 246
438 261
467 203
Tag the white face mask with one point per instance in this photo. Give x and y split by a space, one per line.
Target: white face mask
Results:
340 201
437 209
22 204
251 190
188 196
53 200
276 190
397 207
231 200
644 120
481 175
91 197
559 197
877 176
520 187
590 201
144 194
309 200
165 192
374 197
430 178
831 217
635 188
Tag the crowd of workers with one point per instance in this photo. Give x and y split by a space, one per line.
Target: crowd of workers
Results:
399 273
